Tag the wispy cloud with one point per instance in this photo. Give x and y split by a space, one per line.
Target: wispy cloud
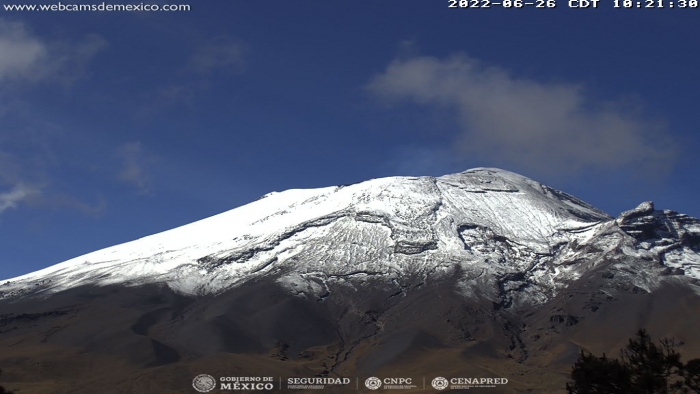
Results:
26 57
217 54
29 179
205 60
32 154
21 52
547 127
17 194
135 163
67 201
70 60
424 160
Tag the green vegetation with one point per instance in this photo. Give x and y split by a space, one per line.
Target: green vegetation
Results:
4 390
643 368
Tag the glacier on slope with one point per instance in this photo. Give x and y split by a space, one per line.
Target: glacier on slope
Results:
504 237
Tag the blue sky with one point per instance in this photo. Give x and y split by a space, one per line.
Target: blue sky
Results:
118 125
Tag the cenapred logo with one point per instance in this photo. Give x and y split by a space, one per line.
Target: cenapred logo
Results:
373 383
440 383
204 383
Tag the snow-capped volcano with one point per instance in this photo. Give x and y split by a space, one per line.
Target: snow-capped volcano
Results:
481 273
483 224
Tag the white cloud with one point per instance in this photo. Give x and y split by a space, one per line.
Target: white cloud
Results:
549 127
134 167
69 60
17 194
221 53
30 161
20 53
24 56
62 201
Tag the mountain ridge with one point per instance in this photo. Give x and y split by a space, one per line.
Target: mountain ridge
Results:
388 220
483 273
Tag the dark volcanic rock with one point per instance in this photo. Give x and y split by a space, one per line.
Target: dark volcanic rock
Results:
479 274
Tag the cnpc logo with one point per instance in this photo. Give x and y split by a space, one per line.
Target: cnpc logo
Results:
375 383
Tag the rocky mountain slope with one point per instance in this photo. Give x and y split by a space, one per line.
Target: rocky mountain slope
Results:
484 272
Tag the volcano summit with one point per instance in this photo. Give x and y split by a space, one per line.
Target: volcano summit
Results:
483 273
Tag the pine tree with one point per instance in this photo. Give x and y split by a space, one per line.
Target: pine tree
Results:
643 368
2 389
594 375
